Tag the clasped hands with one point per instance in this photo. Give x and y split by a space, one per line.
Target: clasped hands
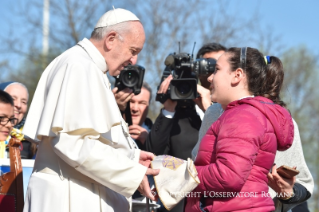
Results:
144 187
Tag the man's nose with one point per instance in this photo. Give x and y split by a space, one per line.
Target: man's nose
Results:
134 106
17 104
133 60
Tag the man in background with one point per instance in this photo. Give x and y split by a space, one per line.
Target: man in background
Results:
20 95
139 105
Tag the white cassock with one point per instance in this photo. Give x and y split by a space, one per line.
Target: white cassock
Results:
86 160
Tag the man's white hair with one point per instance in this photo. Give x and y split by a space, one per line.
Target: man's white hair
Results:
17 83
121 29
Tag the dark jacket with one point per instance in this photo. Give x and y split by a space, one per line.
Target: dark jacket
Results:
176 137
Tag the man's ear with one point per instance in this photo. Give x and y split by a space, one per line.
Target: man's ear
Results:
109 40
238 76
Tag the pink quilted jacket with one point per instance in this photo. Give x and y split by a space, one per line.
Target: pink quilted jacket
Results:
236 154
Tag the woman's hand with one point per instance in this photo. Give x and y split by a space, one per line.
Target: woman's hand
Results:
281 185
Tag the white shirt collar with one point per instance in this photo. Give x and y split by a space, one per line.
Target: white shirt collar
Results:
246 97
94 53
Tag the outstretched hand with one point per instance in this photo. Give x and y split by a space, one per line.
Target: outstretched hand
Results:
146 158
144 187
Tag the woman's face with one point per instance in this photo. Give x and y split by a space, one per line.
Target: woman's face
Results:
20 97
6 112
221 81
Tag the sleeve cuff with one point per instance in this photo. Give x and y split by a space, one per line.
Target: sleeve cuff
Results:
168 114
301 194
136 156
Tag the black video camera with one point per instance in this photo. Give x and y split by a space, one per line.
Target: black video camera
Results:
130 77
185 74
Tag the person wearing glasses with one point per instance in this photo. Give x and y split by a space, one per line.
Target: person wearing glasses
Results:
7 119
20 96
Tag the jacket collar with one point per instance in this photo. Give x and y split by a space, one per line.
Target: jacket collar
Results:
94 53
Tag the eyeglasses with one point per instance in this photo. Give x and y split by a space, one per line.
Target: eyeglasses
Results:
5 120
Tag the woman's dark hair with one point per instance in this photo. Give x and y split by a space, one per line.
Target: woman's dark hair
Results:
264 79
5 98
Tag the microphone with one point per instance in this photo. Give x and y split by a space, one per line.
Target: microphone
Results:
169 60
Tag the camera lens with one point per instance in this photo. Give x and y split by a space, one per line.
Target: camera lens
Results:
130 78
183 89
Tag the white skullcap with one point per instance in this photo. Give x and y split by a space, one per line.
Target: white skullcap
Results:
115 16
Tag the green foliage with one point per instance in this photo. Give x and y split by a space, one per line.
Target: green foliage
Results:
30 70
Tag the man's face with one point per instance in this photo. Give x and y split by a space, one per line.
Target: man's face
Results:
139 106
204 79
6 111
125 52
20 98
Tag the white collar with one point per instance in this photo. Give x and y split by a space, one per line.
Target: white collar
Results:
94 53
246 97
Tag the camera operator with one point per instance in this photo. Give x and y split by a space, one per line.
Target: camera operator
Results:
176 128
210 50
139 109
175 131
141 125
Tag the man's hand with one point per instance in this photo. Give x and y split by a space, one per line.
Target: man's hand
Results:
138 133
282 186
204 101
146 158
144 187
169 105
122 97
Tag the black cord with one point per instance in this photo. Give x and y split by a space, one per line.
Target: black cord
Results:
128 115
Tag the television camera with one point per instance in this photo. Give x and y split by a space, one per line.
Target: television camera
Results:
185 74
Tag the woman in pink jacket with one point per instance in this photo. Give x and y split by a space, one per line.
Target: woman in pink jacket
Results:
239 149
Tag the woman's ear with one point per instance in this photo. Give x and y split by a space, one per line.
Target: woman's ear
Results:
238 76
109 40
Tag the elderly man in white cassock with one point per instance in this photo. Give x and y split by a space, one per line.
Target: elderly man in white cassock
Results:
86 160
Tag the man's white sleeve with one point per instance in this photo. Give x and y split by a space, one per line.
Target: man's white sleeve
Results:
100 162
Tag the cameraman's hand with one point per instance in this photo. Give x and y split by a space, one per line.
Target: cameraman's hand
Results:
122 97
204 101
138 133
169 104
